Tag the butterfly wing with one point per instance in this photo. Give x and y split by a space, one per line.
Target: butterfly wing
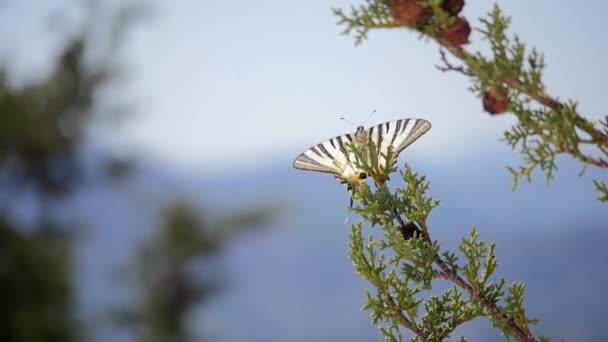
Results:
333 156
330 156
397 134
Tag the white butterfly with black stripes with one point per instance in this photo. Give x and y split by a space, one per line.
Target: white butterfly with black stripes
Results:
334 156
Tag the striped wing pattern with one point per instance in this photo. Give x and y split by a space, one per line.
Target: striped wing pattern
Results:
332 155
399 134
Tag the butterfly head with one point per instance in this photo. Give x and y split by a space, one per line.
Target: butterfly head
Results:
352 186
361 137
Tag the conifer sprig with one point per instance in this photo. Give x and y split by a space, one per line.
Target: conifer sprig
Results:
509 79
404 264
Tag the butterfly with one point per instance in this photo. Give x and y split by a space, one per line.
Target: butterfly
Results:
334 155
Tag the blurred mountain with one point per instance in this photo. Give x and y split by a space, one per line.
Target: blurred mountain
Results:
293 282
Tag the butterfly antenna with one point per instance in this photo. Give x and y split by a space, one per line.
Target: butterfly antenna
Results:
350 122
370 115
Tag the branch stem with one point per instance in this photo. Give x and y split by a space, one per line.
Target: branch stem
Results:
404 321
494 310
541 97
598 137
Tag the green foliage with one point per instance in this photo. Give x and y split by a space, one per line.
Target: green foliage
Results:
42 128
476 251
173 269
42 124
362 18
404 266
545 128
35 287
374 14
540 134
602 189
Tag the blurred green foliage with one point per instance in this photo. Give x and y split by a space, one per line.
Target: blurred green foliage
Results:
41 125
42 128
35 287
174 270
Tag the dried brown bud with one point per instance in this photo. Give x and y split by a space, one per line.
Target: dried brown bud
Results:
408 12
457 33
495 102
452 6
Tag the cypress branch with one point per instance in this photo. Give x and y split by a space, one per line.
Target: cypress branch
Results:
510 79
405 263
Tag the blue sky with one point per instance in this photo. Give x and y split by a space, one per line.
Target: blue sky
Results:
224 84
240 82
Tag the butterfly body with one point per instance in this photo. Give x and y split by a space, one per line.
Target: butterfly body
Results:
334 155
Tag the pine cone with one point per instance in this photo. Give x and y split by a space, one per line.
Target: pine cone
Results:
457 33
408 12
495 103
452 6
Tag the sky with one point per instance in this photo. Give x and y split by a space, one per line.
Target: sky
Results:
224 84
218 85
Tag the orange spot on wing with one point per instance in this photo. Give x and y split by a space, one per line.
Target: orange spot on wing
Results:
379 177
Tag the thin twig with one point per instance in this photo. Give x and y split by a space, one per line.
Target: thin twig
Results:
402 319
447 66
494 310
598 137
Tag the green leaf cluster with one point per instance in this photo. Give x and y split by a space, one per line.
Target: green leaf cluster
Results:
374 14
404 265
362 18
542 132
174 270
546 127
602 189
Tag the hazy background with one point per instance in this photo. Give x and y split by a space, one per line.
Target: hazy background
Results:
187 217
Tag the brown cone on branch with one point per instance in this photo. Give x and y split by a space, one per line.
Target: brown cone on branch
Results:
458 33
495 102
452 6
408 12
